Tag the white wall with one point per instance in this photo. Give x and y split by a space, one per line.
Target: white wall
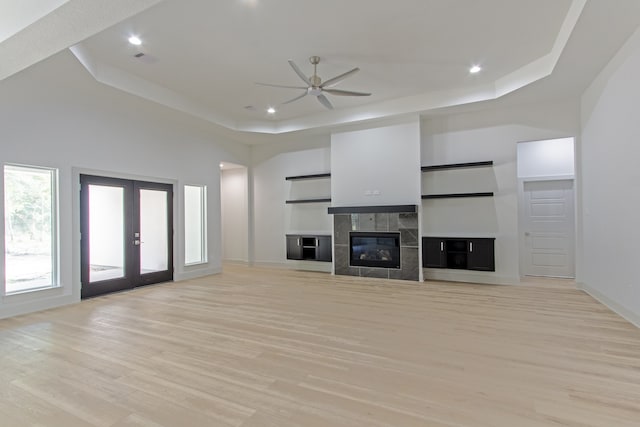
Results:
481 136
379 166
546 158
389 158
54 114
609 155
235 219
273 219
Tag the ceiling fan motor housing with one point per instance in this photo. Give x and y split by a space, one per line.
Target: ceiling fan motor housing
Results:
315 81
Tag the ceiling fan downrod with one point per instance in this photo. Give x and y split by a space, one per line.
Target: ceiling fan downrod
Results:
314 80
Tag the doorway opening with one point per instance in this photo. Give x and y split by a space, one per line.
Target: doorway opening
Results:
126 234
547 225
234 204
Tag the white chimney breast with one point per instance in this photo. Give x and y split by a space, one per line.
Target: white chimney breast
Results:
379 166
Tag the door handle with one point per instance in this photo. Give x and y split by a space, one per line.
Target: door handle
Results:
470 246
526 233
441 246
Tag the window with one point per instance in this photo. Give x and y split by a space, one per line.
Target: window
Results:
30 228
195 226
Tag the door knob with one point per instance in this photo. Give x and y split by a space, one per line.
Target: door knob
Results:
526 233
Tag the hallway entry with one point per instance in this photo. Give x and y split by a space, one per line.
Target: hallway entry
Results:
126 234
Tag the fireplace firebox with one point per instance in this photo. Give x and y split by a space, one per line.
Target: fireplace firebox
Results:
374 249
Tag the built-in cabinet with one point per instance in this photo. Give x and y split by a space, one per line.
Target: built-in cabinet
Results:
459 253
433 253
309 247
437 252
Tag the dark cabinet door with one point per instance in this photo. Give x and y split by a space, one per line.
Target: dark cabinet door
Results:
480 255
323 249
294 246
433 253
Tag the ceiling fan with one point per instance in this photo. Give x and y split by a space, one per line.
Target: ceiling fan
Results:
315 86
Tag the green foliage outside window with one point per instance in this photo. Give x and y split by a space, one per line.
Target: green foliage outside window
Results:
27 210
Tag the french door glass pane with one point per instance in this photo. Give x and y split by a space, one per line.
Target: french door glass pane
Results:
154 236
30 233
106 231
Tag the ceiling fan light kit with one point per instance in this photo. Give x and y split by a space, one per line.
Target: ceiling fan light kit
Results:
315 86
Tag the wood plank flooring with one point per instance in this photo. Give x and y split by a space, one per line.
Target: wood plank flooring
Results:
265 347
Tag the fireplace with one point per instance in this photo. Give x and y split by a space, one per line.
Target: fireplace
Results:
376 241
374 249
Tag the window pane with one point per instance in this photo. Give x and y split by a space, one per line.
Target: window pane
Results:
29 225
154 243
194 224
106 231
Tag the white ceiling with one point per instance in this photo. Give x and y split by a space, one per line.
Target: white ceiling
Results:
204 57
34 30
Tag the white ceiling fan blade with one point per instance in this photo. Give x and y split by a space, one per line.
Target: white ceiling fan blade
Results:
345 92
324 101
284 86
299 72
337 79
295 99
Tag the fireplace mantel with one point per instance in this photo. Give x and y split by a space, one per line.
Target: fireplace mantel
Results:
334 210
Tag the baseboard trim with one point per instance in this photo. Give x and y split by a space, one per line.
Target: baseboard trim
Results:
468 276
194 274
625 313
235 261
270 264
33 306
321 267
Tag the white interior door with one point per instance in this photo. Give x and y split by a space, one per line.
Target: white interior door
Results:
549 229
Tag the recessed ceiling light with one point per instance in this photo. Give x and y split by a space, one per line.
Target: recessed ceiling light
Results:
221 165
135 40
271 110
475 69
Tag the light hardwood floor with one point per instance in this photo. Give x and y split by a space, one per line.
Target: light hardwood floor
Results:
265 347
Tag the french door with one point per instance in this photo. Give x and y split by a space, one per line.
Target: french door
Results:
126 234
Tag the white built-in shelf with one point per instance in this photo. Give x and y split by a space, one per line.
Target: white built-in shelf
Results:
456 195
302 177
308 177
308 201
457 166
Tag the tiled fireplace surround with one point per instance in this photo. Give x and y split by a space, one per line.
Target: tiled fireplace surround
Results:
406 223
